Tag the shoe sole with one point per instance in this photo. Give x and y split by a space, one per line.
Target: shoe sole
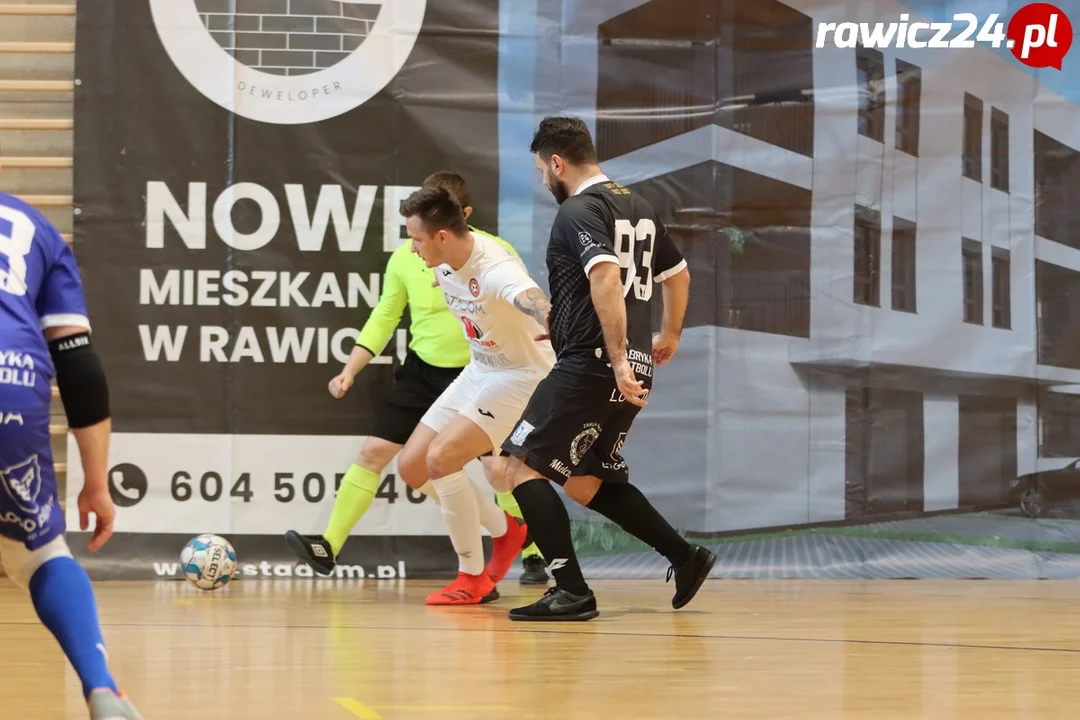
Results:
568 617
301 549
490 597
533 579
702 577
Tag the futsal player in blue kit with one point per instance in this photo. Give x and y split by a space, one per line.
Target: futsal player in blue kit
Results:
45 333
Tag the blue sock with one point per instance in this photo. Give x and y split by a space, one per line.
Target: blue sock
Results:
64 600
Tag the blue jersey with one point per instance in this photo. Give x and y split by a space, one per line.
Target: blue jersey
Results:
39 288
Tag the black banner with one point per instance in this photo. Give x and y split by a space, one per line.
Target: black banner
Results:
879 358
240 166
229 260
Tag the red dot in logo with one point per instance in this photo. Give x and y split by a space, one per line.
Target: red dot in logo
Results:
1040 35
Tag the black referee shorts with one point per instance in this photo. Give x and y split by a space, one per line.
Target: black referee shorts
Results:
417 385
575 424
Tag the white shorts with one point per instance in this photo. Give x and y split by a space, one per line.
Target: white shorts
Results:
493 399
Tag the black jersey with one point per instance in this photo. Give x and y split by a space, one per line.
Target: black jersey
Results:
606 222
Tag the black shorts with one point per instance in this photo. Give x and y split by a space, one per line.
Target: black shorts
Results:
575 424
417 385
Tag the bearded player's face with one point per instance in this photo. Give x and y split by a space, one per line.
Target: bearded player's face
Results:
551 181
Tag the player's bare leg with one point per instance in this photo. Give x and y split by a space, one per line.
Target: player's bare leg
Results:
429 454
582 488
495 472
447 456
413 471
412 462
534 568
465 508
354 497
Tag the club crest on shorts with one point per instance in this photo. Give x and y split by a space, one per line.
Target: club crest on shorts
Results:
22 483
583 441
474 287
521 432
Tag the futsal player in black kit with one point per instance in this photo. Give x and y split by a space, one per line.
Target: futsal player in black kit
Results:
607 254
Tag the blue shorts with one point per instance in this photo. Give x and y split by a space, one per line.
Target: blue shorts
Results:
29 508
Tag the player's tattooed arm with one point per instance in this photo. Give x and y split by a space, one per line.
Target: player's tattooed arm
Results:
535 303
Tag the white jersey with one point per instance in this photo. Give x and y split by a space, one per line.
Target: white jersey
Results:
481 294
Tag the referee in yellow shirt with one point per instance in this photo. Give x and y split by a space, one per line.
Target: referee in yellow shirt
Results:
438 351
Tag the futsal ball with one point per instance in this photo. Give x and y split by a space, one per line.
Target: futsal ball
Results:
208 561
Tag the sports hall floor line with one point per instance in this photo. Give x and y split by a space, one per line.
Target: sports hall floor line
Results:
367 712
537 631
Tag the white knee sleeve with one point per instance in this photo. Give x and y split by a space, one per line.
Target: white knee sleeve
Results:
20 564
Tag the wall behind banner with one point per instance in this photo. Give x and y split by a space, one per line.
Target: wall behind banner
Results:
878 376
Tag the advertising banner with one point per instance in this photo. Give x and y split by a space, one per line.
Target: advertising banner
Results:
879 372
240 167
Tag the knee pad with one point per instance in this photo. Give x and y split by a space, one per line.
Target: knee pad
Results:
20 564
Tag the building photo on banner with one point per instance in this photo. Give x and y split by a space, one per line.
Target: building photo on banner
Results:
885 405
276 207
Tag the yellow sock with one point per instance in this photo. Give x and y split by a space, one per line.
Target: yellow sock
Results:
509 503
354 497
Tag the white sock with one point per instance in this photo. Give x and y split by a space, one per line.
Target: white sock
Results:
462 516
428 489
492 517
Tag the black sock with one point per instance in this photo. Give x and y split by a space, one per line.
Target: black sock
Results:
625 506
549 526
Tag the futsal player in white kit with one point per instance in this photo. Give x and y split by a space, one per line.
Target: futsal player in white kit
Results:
503 313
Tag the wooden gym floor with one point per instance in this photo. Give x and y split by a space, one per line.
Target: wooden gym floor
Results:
340 650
